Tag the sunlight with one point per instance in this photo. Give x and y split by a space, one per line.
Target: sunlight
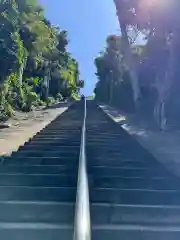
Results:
155 3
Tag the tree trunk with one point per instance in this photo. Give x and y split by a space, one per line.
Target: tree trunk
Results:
135 85
128 54
164 87
21 71
159 115
20 99
46 83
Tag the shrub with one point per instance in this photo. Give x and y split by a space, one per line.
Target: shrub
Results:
39 102
31 97
59 97
6 111
50 101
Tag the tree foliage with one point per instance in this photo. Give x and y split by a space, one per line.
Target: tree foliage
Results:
152 71
113 84
34 61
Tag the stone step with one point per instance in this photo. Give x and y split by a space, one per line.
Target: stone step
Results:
135 196
133 182
39 160
147 215
58 141
42 194
109 147
113 161
64 142
32 144
131 232
34 212
47 147
97 153
69 145
40 153
107 133
39 169
64 127
35 231
59 132
56 137
128 172
39 180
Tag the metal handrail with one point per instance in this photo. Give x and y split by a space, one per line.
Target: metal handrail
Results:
82 223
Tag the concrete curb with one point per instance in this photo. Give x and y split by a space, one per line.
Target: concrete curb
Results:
166 153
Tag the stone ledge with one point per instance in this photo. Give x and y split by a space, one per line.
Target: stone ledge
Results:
164 146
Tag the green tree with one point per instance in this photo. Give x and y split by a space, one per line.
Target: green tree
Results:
33 57
152 68
113 84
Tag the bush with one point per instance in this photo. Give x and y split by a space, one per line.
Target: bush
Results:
59 97
30 98
50 101
11 98
9 110
39 102
6 111
74 96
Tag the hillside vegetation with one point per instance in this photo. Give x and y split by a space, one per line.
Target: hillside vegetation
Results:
35 66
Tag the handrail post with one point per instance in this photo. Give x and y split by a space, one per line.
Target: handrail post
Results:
82 223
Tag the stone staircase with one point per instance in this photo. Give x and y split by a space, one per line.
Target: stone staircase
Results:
38 182
132 196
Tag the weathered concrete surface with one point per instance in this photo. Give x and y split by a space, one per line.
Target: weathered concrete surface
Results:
165 146
25 126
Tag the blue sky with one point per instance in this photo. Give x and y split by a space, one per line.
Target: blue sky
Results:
88 25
